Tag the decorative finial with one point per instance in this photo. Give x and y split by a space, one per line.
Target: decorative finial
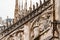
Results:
7 17
25 5
40 2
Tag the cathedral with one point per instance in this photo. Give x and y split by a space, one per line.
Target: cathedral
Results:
40 22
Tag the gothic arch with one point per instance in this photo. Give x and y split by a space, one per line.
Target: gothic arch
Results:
34 21
37 19
14 34
32 25
9 37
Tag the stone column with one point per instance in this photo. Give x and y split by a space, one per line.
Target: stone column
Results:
57 11
26 32
36 30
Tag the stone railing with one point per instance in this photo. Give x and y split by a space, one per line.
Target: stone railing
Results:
27 18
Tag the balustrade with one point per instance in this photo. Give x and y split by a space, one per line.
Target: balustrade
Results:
27 18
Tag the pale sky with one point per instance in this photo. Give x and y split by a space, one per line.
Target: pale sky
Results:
7 8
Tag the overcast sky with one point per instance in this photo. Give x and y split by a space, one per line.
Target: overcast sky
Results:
7 8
